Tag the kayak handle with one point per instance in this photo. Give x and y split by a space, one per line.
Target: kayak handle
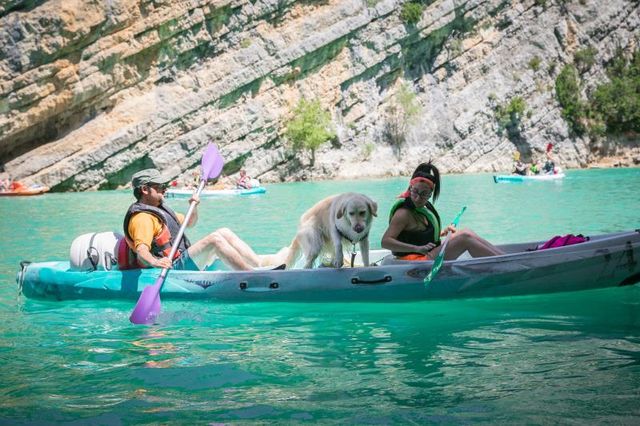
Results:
244 285
386 279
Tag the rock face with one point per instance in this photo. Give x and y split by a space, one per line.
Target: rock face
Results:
93 90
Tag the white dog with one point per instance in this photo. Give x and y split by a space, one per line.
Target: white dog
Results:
345 217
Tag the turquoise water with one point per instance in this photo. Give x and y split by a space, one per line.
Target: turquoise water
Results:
563 358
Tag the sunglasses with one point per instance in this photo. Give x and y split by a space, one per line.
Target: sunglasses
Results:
159 187
422 194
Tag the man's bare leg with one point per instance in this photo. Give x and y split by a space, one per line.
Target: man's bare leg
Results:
216 244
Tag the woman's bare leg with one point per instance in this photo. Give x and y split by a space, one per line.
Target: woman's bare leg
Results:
467 240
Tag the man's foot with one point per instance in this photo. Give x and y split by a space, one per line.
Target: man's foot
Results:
279 267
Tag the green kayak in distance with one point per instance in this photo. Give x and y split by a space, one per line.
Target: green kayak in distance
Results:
528 178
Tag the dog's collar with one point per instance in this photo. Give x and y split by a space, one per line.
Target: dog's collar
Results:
349 239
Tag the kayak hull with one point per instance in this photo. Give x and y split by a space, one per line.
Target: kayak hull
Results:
608 260
531 178
25 192
187 193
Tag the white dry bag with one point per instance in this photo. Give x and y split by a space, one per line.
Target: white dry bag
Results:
95 250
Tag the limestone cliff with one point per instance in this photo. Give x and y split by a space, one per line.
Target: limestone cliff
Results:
93 90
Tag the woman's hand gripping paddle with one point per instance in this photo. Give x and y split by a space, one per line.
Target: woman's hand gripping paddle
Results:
437 264
148 306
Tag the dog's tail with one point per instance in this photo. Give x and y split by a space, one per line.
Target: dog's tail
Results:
294 253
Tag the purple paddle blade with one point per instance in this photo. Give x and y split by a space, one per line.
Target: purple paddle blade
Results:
212 162
148 306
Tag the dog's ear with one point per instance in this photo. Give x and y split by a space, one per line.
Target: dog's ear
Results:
340 212
373 207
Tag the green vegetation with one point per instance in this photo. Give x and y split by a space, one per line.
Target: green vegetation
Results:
617 104
585 58
411 12
402 111
568 95
509 117
612 108
367 150
534 63
309 128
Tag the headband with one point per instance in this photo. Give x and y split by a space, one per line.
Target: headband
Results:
423 180
415 180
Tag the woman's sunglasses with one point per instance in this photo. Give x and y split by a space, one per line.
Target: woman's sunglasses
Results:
422 194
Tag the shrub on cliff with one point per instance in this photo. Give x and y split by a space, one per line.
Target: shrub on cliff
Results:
568 96
612 108
617 103
585 58
402 111
510 116
309 127
411 12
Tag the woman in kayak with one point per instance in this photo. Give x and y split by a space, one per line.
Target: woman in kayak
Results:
414 224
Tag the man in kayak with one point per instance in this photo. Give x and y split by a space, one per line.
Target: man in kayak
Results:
150 226
414 224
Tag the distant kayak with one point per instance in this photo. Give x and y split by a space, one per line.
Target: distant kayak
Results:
210 193
23 192
528 178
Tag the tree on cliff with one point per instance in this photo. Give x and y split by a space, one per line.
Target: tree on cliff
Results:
401 112
309 128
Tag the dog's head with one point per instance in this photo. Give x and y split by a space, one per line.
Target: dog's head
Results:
358 210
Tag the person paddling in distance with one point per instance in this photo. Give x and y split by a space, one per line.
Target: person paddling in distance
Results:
244 181
149 227
414 224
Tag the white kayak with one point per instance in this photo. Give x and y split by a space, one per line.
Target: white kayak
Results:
608 260
210 193
527 178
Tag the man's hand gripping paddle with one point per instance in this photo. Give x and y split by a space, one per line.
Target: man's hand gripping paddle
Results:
437 264
148 306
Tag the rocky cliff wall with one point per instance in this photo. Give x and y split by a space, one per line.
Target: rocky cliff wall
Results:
91 91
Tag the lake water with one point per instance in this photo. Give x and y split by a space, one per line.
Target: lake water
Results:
563 358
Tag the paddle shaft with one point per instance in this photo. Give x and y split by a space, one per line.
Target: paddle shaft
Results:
183 226
454 223
437 263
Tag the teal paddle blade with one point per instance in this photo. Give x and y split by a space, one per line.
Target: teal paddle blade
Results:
437 263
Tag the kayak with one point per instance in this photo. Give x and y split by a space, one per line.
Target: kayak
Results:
36 190
607 260
210 193
527 178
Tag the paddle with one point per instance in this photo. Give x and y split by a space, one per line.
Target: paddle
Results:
148 306
437 264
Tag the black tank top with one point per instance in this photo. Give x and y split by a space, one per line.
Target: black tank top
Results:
417 238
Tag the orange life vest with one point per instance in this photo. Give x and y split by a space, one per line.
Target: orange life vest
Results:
161 244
